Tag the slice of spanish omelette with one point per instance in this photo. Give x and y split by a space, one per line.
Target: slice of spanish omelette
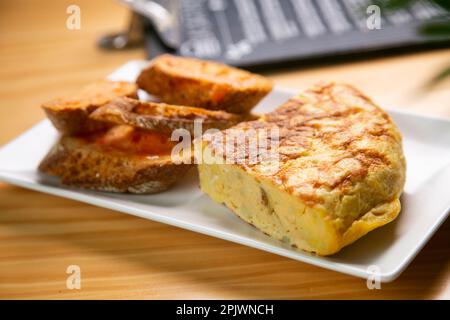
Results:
333 171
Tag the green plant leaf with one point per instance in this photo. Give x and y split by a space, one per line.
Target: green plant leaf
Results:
436 29
401 4
441 29
441 76
443 3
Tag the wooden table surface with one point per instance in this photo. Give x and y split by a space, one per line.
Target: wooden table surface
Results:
121 256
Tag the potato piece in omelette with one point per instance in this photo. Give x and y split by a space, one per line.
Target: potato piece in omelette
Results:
339 172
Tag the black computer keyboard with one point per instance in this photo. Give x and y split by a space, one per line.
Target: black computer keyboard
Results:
260 32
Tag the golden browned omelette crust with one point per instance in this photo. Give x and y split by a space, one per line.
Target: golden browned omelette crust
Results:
70 114
203 84
121 159
340 156
162 117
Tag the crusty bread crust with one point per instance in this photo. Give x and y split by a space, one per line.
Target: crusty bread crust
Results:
203 84
70 114
163 117
81 163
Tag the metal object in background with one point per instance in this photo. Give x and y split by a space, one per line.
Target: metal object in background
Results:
253 33
132 37
164 22
162 16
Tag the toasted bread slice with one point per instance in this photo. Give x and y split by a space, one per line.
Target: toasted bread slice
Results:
121 159
163 117
203 84
70 114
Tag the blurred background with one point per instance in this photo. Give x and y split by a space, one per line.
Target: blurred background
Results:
52 47
254 33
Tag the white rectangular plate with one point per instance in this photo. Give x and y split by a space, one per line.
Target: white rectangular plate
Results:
388 250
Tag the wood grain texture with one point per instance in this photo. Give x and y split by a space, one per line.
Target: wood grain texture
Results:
123 257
